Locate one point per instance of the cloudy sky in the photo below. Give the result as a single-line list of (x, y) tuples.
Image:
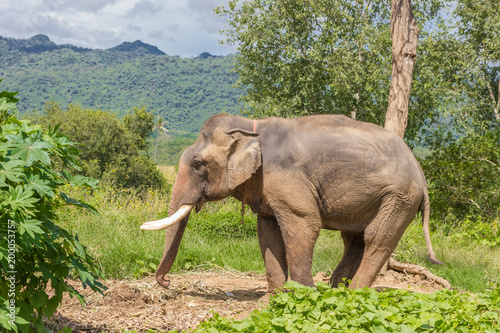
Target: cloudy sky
[(177, 27)]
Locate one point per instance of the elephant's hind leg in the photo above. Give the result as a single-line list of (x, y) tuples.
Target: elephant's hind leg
[(354, 245), (381, 237)]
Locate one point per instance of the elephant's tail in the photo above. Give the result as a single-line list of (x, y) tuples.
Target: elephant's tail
[(425, 208)]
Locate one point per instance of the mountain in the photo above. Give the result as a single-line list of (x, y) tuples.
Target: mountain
[(137, 46), (184, 91), (39, 43)]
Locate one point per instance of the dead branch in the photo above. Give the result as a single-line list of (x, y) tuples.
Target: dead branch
[(416, 269)]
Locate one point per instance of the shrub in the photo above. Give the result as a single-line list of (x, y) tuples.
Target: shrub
[(323, 309), (35, 252), (464, 176), (111, 148)]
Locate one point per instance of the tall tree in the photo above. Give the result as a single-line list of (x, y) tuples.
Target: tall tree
[(404, 32), (301, 57), (479, 28)]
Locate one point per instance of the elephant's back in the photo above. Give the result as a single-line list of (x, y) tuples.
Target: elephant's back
[(347, 162), (315, 140)]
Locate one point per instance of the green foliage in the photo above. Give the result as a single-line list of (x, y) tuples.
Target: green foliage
[(480, 232), (185, 92), (308, 57), (305, 309), (111, 148), (35, 253), (464, 176), (7, 105), (465, 59)]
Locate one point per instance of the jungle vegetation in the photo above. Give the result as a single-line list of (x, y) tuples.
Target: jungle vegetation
[(183, 91)]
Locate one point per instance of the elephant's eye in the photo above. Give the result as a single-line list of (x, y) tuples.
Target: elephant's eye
[(198, 165)]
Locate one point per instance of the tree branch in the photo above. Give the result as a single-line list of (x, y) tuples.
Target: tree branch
[(485, 160), (416, 269)]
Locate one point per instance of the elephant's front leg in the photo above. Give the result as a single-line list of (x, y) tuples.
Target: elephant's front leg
[(300, 234), (273, 251)]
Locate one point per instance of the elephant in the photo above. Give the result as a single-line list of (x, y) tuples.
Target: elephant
[(299, 176)]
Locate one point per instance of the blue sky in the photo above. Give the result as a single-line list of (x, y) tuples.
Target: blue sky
[(177, 27)]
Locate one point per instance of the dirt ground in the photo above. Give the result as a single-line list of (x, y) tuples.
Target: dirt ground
[(193, 297)]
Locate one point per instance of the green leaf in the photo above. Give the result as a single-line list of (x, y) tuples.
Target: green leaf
[(42, 186), (71, 201), (38, 299), (30, 226), (51, 306), (83, 181), (11, 170), (31, 149), (20, 200)]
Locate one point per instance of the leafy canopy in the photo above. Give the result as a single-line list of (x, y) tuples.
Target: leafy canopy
[(464, 176), (306, 57)]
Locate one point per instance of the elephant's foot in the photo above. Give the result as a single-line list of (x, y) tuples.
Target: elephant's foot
[(265, 298)]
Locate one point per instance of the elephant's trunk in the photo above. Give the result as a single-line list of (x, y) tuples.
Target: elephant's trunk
[(173, 239), (178, 212)]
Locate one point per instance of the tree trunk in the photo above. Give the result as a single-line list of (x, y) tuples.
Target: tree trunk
[(404, 32), (156, 145)]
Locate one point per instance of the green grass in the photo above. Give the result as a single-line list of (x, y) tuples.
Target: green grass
[(122, 250), (468, 265), (215, 238)]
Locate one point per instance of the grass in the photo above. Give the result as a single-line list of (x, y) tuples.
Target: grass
[(468, 265), (215, 237), (122, 250)]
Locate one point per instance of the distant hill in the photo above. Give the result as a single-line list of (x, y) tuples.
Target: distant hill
[(137, 46), (185, 91), (38, 44)]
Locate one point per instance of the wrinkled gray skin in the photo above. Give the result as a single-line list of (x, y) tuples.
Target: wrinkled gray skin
[(301, 175)]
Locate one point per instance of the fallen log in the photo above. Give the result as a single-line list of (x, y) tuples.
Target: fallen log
[(417, 270)]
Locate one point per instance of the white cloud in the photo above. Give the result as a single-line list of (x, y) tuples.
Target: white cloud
[(185, 28)]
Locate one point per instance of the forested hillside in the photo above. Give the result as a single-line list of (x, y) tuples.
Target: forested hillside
[(184, 91)]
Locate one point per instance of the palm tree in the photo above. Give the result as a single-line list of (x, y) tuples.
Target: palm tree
[(159, 127)]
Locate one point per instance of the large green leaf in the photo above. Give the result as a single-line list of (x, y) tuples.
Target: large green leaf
[(9, 95), (79, 203), (31, 227), (31, 149), (19, 200), (41, 185), (11, 170)]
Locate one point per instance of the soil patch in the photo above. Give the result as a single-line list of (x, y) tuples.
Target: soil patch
[(193, 297)]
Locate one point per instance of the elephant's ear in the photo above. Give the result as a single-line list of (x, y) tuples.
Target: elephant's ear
[(244, 156)]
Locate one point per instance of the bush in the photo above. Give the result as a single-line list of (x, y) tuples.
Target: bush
[(464, 177), (111, 148), (323, 309), (35, 253), (476, 231)]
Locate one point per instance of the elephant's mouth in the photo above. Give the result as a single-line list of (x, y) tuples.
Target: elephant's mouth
[(199, 205)]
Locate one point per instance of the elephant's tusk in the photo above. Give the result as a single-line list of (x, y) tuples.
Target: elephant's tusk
[(169, 221)]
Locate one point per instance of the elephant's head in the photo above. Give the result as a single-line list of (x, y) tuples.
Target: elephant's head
[(225, 155)]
